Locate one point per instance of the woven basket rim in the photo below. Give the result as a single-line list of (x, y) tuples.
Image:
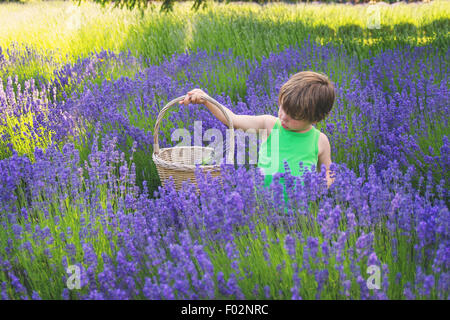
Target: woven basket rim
[(180, 167), (229, 149), (184, 147), (169, 165)]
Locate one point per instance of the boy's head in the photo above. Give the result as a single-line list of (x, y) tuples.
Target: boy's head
[(307, 96)]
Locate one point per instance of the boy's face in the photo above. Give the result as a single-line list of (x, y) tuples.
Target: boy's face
[(292, 124)]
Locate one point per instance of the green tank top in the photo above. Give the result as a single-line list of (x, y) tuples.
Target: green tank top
[(291, 146)]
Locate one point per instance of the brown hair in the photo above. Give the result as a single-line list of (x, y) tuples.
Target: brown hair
[(307, 95)]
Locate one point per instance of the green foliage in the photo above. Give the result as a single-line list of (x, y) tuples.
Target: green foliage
[(166, 5), (20, 134)]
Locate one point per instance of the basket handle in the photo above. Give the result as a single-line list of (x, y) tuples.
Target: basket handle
[(229, 149)]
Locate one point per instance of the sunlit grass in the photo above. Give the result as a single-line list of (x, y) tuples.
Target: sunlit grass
[(67, 31)]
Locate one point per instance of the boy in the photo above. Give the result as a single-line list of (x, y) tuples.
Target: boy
[(304, 100)]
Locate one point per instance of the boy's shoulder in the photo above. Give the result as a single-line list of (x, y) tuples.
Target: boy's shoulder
[(269, 122), (323, 143), (322, 136)]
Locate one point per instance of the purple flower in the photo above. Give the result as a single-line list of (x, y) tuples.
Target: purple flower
[(222, 285), (35, 296), (373, 259), (267, 292), (313, 246), (290, 246), (409, 295)]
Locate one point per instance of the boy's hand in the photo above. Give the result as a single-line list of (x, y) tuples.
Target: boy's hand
[(194, 97)]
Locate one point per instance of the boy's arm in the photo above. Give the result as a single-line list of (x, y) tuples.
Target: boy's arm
[(240, 121), (325, 157), (243, 122)]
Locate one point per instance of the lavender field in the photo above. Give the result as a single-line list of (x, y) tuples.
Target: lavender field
[(80, 195)]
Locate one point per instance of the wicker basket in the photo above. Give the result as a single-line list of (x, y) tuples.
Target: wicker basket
[(180, 162)]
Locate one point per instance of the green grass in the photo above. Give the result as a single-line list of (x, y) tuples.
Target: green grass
[(19, 133), (251, 30)]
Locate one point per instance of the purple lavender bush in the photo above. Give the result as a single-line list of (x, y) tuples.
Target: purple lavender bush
[(220, 244), (85, 217)]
